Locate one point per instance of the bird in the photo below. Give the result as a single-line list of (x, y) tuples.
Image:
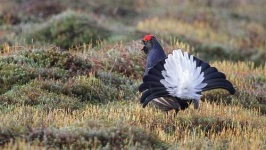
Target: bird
[(174, 81)]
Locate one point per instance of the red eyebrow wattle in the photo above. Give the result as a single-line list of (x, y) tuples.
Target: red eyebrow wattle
[(147, 37)]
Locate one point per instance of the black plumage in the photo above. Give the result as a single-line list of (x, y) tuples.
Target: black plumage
[(153, 90)]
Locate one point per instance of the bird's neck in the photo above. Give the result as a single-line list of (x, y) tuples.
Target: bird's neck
[(156, 54)]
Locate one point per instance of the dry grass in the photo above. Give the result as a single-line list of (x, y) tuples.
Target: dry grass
[(213, 126), (85, 95), (221, 122)]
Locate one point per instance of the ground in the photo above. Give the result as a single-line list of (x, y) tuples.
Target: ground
[(70, 71)]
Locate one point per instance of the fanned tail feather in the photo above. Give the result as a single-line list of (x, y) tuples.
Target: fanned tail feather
[(219, 83), (152, 91), (148, 85), (151, 77), (154, 95), (213, 78), (151, 87), (176, 80)]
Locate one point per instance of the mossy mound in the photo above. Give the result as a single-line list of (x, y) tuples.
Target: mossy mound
[(50, 63), (31, 94), (125, 87), (126, 60), (71, 93), (112, 137), (59, 75), (93, 89), (84, 88), (66, 30), (13, 74)]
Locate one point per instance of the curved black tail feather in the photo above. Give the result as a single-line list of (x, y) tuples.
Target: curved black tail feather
[(151, 91), (213, 78)]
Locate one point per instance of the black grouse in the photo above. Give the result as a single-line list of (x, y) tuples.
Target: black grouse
[(172, 82)]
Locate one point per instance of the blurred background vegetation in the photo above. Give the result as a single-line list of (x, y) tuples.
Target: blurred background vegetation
[(70, 70), (233, 30)]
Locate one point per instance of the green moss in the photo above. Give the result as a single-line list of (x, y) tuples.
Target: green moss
[(90, 89), (251, 99), (84, 137), (212, 124), (31, 94), (125, 85), (67, 30), (52, 72), (122, 61), (52, 63), (14, 74), (66, 94), (54, 58)]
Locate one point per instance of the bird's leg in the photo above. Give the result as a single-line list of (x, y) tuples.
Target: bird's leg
[(196, 104)]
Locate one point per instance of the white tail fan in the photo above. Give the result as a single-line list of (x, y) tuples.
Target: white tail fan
[(182, 78)]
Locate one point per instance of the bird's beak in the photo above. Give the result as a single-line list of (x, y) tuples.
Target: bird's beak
[(144, 49)]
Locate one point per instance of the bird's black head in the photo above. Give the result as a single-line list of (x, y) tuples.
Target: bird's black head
[(147, 41)]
